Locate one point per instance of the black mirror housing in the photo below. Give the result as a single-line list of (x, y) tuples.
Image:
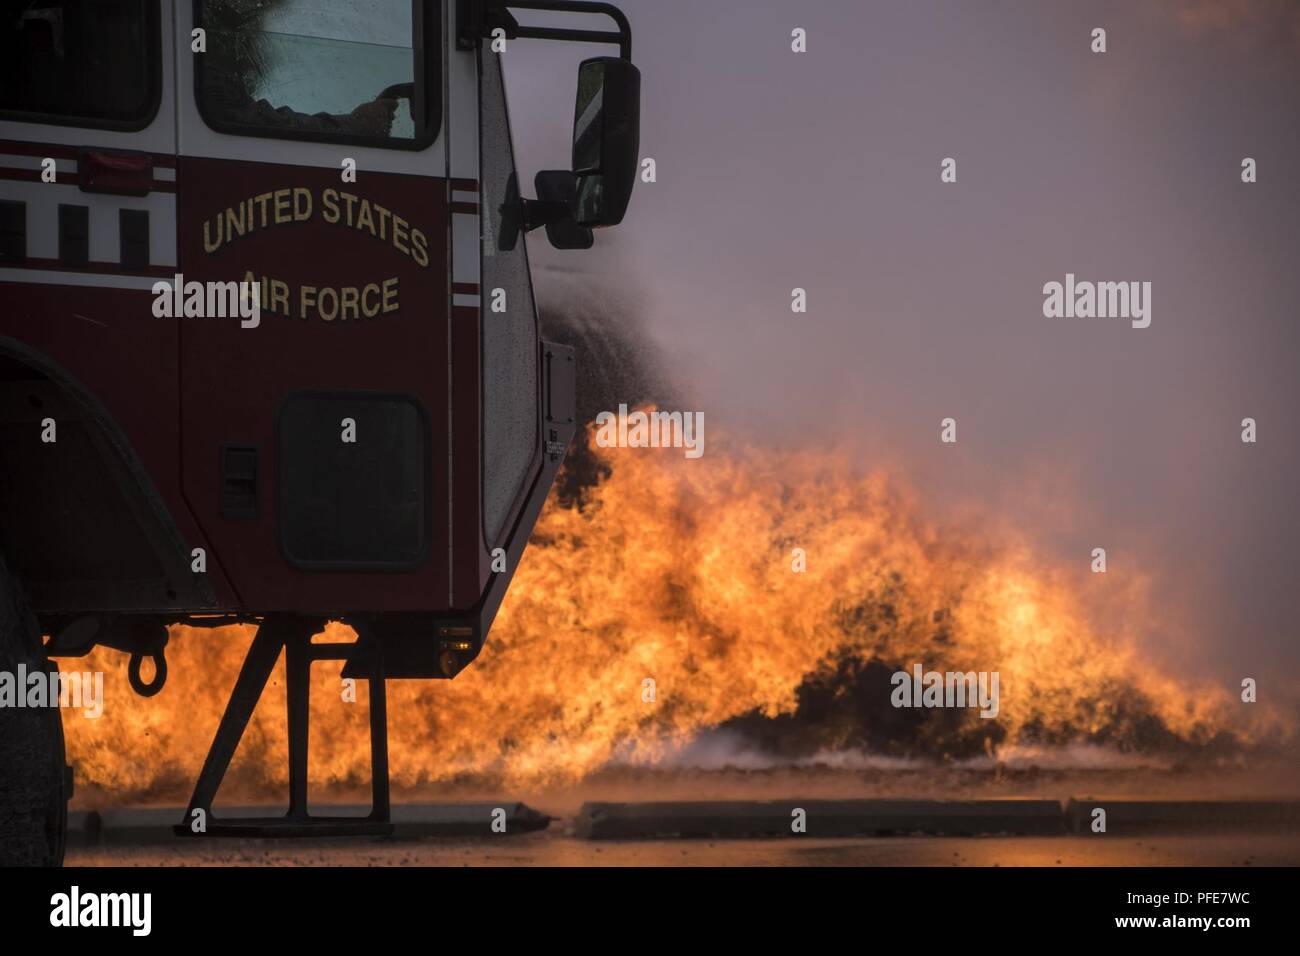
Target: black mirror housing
[(606, 139)]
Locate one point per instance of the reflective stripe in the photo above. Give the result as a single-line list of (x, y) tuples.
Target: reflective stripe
[(14, 161), (464, 248), (100, 279)]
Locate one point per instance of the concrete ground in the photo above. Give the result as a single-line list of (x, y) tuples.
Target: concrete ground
[(1212, 842)]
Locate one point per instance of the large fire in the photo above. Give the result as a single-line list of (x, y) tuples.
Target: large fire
[(684, 573)]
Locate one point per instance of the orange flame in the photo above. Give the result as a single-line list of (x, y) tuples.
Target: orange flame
[(680, 572)]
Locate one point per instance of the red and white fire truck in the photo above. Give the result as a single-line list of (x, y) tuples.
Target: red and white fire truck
[(368, 437)]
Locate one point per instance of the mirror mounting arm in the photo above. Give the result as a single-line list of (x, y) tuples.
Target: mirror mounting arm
[(541, 212), (476, 19)]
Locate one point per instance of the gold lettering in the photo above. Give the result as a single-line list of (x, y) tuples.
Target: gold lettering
[(327, 314), (384, 214), (329, 201), (301, 204), (351, 200), (363, 218), (399, 234), (279, 298), (208, 244), (390, 295), (297, 204), (238, 226), (282, 211), (261, 199), (349, 295), (420, 247)]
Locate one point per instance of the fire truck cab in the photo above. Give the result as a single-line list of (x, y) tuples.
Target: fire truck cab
[(269, 350)]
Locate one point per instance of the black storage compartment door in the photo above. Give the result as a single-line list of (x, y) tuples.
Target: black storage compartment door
[(353, 487)]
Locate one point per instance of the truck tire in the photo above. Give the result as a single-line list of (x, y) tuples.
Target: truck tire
[(33, 779)]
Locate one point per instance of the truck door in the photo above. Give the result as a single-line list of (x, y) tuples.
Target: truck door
[(87, 226), (312, 162)]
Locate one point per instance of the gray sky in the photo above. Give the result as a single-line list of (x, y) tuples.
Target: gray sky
[(821, 170)]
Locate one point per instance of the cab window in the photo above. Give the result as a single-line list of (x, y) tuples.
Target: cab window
[(80, 62), (357, 72)]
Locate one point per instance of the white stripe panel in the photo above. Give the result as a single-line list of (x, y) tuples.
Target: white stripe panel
[(466, 299), (464, 247), (464, 195), (68, 167), (43, 201), (100, 279), (15, 161)]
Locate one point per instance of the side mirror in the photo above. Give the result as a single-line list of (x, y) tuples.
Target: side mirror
[(606, 139)]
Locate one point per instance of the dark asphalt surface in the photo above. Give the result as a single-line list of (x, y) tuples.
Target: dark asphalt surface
[(556, 847)]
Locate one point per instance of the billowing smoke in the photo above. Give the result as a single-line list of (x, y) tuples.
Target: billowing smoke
[(617, 361)]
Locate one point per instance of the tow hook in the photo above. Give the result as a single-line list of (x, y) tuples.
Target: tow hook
[(159, 658), (140, 637)]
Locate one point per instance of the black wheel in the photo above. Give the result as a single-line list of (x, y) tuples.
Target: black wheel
[(33, 777)]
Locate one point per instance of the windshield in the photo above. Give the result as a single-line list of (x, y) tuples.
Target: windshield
[(345, 72)]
